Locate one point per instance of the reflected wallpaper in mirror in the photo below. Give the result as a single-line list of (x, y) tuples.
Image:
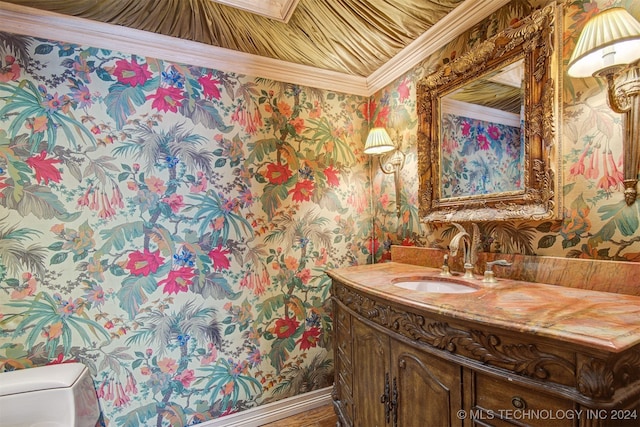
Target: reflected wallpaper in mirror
[(487, 139), (481, 135)]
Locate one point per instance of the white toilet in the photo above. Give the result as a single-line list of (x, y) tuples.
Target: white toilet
[(48, 396)]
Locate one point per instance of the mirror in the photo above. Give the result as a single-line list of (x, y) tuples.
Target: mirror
[(487, 143)]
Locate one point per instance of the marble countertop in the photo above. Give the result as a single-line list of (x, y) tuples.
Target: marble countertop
[(600, 320)]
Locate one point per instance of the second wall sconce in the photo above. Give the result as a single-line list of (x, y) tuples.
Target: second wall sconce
[(609, 47), (391, 159)]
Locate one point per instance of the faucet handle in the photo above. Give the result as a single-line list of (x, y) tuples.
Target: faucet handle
[(445, 266), (489, 277)]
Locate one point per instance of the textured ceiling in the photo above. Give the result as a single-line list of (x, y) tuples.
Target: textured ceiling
[(354, 37)]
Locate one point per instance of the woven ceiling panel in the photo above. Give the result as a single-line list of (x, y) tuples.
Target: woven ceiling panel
[(348, 36)]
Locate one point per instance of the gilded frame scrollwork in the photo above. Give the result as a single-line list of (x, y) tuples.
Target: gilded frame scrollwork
[(534, 39)]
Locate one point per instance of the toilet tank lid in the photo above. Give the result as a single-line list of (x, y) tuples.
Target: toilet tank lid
[(41, 378)]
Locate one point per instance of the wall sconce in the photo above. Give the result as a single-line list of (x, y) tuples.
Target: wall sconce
[(609, 47), (391, 159)]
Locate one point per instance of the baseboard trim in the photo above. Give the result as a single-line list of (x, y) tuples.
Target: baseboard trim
[(275, 411)]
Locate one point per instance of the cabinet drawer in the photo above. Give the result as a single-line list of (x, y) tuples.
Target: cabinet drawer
[(497, 402)]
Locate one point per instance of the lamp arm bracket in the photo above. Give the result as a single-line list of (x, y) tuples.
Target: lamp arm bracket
[(622, 85)]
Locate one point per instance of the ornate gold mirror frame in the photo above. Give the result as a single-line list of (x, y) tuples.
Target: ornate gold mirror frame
[(533, 40)]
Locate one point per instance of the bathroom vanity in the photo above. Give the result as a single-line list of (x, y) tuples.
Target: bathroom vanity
[(501, 354)]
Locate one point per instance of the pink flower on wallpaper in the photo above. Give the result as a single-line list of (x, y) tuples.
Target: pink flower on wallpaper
[(144, 263), (607, 181), (384, 200), (107, 210), (285, 327), (277, 174), (494, 132), (466, 128), (175, 202), (27, 288), (131, 73), (167, 365), (332, 176), (578, 168), (256, 282), (403, 90), (592, 171), (302, 191), (177, 281), (121, 398), (131, 384), (615, 173), (483, 142), (11, 71), (322, 258), (155, 184), (167, 99), (200, 183), (309, 338), (44, 168), (116, 197), (209, 86), (298, 124), (219, 258), (304, 275), (211, 355), (449, 145), (186, 377)]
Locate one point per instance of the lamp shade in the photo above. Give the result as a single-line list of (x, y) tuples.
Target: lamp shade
[(611, 38), (378, 142)]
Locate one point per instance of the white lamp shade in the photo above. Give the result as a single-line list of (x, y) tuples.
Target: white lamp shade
[(378, 142), (611, 38)]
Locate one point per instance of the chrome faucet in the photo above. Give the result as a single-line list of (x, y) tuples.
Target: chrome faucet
[(470, 243)]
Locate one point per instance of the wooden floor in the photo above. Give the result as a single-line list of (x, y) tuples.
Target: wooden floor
[(319, 417)]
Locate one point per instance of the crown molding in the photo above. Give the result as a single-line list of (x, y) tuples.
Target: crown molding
[(459, 20), (49, 25), (279, 10)]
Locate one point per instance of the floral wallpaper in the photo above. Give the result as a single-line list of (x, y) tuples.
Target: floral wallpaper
[(595, 222), (479, 157), (169, 226)]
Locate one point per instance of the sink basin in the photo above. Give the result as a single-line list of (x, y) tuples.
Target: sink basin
[(434, 285)]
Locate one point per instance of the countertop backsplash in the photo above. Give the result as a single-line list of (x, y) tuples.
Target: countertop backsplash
[(607, 276)]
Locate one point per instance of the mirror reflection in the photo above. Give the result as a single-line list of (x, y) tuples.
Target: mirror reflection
[(482, 130), (487, 141)]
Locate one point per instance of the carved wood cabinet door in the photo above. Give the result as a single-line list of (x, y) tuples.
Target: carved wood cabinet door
[(370, 373), (395, 385), (429, 389)]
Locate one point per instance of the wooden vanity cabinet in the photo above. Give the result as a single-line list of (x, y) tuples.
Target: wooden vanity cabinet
[(395, 384), (398, 366)]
